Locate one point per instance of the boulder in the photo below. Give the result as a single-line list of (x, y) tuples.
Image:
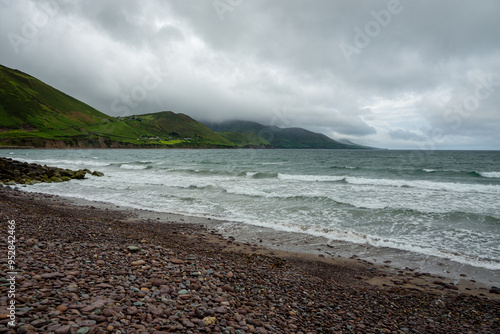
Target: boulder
[(14, 172)]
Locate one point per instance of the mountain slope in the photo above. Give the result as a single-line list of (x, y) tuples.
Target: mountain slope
[(278, 137), (33, 113), (28, 103), (167, 129), (348, 142)]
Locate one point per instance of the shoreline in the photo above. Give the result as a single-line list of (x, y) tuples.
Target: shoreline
[(103, 270), (249, 239), (454, 266)]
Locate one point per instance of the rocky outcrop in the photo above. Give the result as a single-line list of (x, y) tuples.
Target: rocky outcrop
[(16, 172)]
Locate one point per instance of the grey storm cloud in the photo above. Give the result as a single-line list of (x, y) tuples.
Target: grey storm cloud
[(406, 135), (394, 73)]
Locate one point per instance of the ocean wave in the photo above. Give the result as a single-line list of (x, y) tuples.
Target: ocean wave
[(394, 243), (135, 167), (200, 187), (399, 183), (210, 162), (344, 167), (492, 175), (428, 185), (223, 173), (262, 175), (438, 252), (305, 199), (58, 162), (461, 173), (270, 163), (311, 178), (204, 172)]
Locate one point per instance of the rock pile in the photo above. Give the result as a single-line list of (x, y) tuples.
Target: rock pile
[(85, 270), (15, 172)]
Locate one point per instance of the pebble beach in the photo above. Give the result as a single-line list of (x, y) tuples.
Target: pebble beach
[(87, 269)]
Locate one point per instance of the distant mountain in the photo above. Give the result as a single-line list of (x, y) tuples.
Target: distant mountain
[(255, 134), (33, 113), (348, 142)]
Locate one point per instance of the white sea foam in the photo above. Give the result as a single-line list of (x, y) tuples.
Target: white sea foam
[(362, 238), (428, 185), (400, 183), (310, 178), (493, 175), (58, 162), (137, 167)]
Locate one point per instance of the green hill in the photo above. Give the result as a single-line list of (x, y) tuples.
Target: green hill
[(33, 113), (31, 108), (163, 129), (272, 136)]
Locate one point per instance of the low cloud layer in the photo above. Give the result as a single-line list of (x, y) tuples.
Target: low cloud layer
[(394, 74)]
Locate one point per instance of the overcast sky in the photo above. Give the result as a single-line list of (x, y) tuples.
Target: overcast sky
[(396, 74)]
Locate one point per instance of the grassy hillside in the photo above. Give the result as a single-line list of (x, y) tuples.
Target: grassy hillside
[(166, 129), (33, 113), (276, 137), (246, 140), (27, 103)]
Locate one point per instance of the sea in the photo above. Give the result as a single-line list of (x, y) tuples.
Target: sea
[(434, 208)]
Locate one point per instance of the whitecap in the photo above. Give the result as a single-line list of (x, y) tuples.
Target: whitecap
[(310, 178), (493, 175), (428, 185), (58, 162), (137, 167)]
